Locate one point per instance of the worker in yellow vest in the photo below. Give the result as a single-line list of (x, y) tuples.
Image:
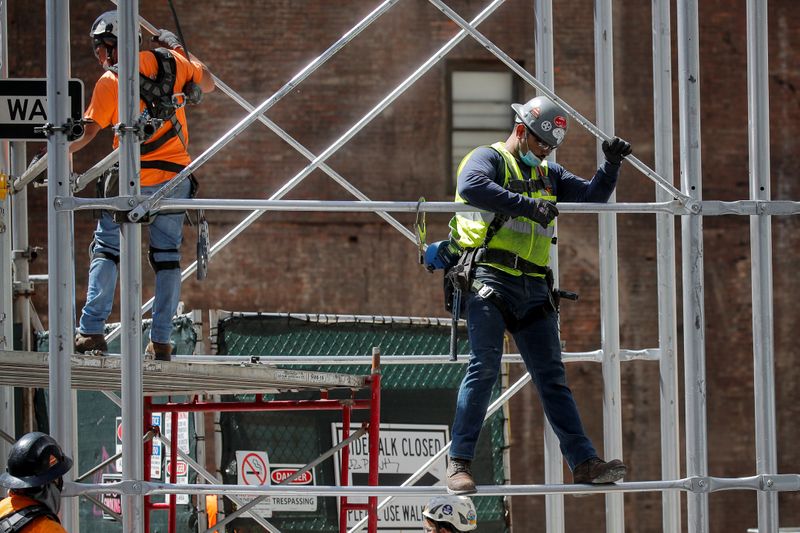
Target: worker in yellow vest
[(504, 252)]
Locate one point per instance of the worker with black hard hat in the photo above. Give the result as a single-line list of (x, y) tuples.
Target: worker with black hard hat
[(34, 481)]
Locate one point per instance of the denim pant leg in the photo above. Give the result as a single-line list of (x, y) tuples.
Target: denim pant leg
[(540, 348), (166, 233), (486, 328), (102, 281)]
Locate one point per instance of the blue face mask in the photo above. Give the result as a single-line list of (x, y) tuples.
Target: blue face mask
[(529, 158)]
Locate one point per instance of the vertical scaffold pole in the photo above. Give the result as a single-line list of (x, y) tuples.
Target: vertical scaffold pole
[(345, 466), (147, 409), (665, 253), (761, 258), (609, 281), (692, 262), (374, 436), (130, 266), (553, 461), (173, 469), (6, 278), (60, 265)]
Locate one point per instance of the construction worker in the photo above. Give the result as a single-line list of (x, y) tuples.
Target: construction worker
[(449, 514), (509, 286), (33, 477), (169, 78)]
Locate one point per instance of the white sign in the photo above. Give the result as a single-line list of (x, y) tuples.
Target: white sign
[(183, 445), (111, 500), (295, 502), (404, 448), (252, 468)]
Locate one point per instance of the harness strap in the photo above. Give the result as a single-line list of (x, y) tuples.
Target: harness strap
[(168, 166), (163, 265), (509, 259), (16, 521)]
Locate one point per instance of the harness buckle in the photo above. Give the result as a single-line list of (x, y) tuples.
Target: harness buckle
[(485, 292)]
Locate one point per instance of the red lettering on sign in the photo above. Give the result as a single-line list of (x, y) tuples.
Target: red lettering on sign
[(280, 474)]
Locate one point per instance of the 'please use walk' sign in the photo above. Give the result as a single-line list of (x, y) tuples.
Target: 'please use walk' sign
[(23, 107)]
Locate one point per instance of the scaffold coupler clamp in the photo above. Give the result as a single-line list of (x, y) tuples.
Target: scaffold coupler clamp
[(142, 128), (72, 128)]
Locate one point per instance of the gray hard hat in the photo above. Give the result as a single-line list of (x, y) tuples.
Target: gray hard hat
[(546, 119)]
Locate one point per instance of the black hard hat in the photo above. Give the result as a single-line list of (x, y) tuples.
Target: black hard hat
[(35, 460)]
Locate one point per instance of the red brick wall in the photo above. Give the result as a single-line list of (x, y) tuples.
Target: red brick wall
[(356, 263)]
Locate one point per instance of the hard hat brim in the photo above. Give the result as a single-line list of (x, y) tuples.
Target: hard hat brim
[(518, 111), (13, 482)]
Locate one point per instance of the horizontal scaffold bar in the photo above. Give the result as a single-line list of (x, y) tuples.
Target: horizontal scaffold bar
[(698, 484), (596, 356), (705, 208)]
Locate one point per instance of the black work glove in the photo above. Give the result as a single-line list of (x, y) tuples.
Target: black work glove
[(167, 39), (543, 212), (616, 150)]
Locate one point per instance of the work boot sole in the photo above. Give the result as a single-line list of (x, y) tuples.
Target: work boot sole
[(461, 492), (611, 475)]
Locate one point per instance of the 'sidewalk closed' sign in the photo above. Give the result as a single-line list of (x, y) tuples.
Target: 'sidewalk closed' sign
[(404, 448)]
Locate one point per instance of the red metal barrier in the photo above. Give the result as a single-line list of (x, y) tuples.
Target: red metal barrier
[(259, 404)]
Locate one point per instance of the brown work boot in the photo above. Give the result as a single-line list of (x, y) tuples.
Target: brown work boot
[(459, 476), (596, 471), (159, 351), (90, 343)]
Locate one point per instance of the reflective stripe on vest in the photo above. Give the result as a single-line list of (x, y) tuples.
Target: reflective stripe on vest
[(519, 235)]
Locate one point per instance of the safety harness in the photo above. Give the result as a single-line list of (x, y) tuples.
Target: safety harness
[(161, 101), (161, 104), (16, 521), (460, 278)]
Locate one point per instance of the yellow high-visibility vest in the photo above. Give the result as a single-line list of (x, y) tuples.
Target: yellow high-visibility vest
[(520, 235)]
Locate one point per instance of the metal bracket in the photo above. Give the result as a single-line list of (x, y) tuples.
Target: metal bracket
[(143, 128), (699, 484), (72, 128), (23, 288)]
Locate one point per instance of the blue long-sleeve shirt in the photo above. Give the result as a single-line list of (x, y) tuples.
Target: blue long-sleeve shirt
[(480, 183)]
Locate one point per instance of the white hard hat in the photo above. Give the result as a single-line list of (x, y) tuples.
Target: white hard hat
[(107, 25), (459, 511)]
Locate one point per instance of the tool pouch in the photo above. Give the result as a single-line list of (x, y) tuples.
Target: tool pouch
[(459, 276)]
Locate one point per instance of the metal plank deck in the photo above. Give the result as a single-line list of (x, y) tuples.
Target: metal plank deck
[(93, 372)]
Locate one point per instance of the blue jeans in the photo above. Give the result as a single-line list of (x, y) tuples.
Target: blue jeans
[(166, 233), (540, 348)]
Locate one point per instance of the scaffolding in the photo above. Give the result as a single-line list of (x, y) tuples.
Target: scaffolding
[(686, 203)]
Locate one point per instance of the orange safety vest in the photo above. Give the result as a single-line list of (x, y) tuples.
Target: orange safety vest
[(42, 524)]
